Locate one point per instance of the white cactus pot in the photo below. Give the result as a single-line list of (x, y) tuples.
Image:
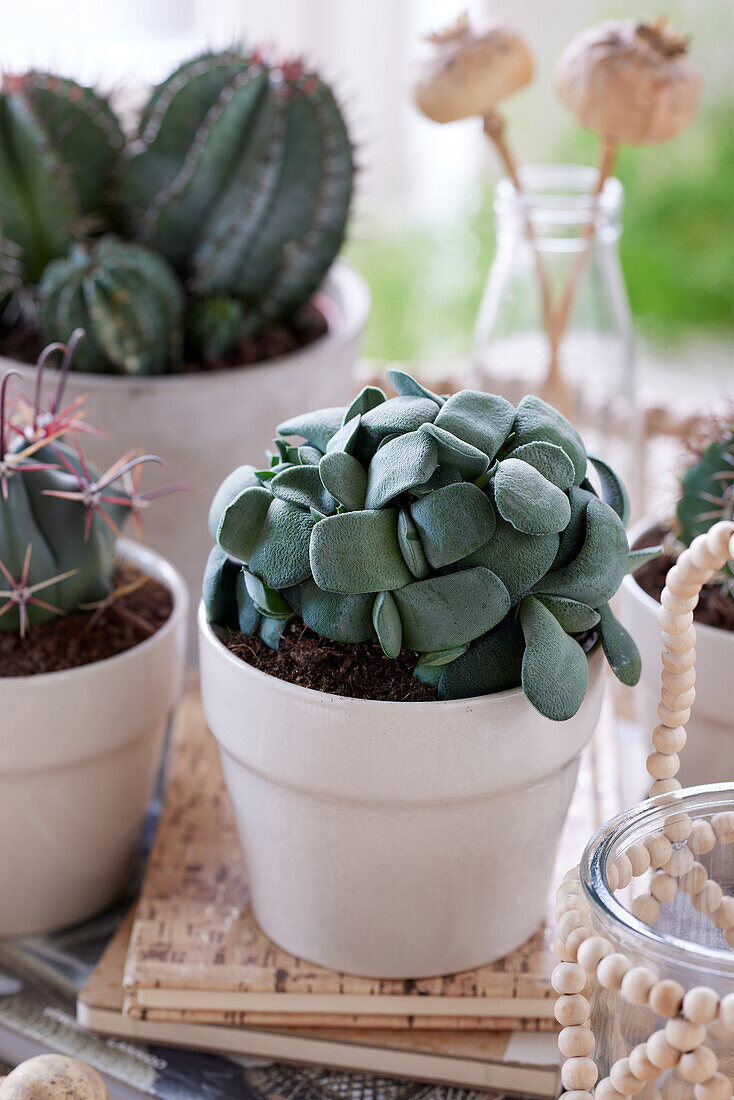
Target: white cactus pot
[(80, 753), (203, 425), (709, 753), (393, 840)]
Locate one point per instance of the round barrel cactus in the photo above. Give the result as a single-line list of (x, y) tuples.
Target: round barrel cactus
[(127, 299), (707, 492), (60, 143), (460, 527), (241, 176)]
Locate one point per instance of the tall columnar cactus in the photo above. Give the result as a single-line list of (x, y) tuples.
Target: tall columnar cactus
[(707, 491), (462, 528), (59, 517), (59, 145), (127, 299), (242, 177)]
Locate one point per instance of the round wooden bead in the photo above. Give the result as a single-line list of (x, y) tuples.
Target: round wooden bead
[(723, 826), (574, 940), (624, 870), (663, 887), (663, 786), (605, 1090), (592, 951), (689, 572), (694, 880), (662, 765), (683, 1035), (571, 1009), (568, 905), (678, 700), (674, 622), (669, 717), (679, 587), (636, 985), (724, 916), (576, 1042), (679, 681), (623, 1079), (612, 877), (568, 888), (666, 739), (579, 1073), (702, 556), (726, 1011), (677, 605), (729, 937), (718, 538), (709, 898), (641, 1065), (660, 1052), (678, 826), (678, 662), (666, 998), (578, 1094), (660, 849), (611, 970), (680, 643), (572, 875), (645, 908), (639, 858), (718, 1088), (701, 1005), (698, 1066), (568, 978), (680, 862), (703, 837), (566, 924)]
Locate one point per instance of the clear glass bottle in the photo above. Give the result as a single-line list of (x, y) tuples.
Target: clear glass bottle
[(556, 250), (683, 944)]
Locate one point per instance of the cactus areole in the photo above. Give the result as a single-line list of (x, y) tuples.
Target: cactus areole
[(460, 527)]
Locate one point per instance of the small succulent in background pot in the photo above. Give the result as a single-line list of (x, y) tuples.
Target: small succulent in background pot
[(91, 655), (706, 497), (465, 535)]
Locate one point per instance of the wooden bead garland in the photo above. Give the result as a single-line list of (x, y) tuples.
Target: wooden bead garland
[(671, 855)]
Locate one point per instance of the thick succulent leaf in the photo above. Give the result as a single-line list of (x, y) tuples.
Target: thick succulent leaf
[(453, 522), (535, 420), (303, 487), (332, 615), (494, 663), (316, 428), (442, 612), (402, 463), (244, 477), (527, 500), (613, 491), (555, 671), (637, 558), (596, 573), (266, 599), (573, 616), (308, 455), (346, 438), (218, 590), (271, 631), (439, 658), (368, 398), (281, 554), (442, 475), (248, 616), (428, 674), (455, 453), (550, 460), (518, 560), (619, 648), (358, 552), (292, 596), (482, 419), (393, 417), (573, 535), (407, 386), (345, 479), (388, 624), (242, 521), (411, 546)]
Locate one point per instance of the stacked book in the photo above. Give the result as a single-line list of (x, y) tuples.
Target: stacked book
[(191, 968)]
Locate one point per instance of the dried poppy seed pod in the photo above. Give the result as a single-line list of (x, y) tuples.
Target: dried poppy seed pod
[(469, 70), (53, 1077), (629, 82)]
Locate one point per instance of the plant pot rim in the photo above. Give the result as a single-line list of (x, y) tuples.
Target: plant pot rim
[(158, 567), (206, 633), (637, 592), (340, 282)]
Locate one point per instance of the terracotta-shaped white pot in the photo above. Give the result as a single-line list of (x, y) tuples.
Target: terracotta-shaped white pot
[(393, 840), (709, 753), (80, 754), (202, 425)]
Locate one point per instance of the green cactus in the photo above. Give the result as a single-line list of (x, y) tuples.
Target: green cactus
[(59, 517), (241, 176), (462, 528), (127, 299), (707, 492), (60, 143)]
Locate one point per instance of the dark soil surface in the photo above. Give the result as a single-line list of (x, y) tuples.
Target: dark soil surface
[(714, 608), (307, 325), (83, 637), (358, 671)]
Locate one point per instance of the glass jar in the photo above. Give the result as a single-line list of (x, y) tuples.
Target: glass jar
[(556, 248), (683, 944)]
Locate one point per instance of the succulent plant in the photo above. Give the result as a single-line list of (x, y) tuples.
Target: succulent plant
[(127, 299), (59, 145), (460, 527), (59, 517), (241, 176), (707, 490)]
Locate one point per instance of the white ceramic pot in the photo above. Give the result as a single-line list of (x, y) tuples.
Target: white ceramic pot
[(79, 753), (709, 753), (203, 425), (393, 840)]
